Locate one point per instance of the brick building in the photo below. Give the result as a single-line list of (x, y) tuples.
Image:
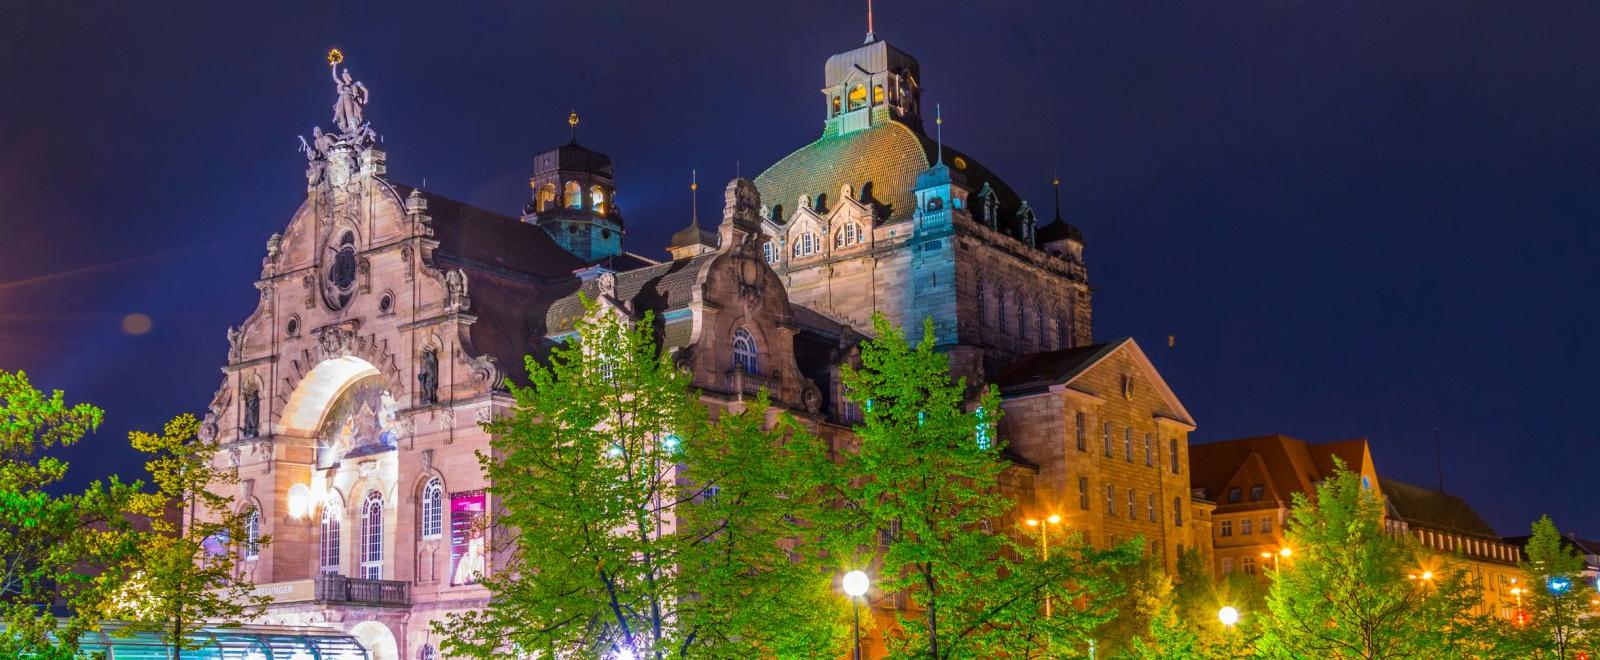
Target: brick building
[(390, 319)]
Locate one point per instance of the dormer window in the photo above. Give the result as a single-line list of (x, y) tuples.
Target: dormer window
[(847, 236), (858, 97), (806, 245)]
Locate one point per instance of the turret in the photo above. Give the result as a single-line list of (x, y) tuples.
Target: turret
[(573, 199)]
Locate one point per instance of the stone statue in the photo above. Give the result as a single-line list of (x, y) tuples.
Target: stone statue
[(606, 284), (316, 152), (455, 285), (252, 414), (349, 110), (428, 378)]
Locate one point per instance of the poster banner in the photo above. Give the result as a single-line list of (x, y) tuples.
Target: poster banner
[(468, 529)]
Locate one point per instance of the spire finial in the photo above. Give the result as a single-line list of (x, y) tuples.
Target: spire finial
[(694, 198), (1055, 182), (870, 36), (572, 120), (938, 129)]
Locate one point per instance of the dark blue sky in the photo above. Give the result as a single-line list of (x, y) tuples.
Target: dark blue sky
[(1357, 218)]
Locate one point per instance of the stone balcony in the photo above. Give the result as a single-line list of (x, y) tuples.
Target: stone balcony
[(335, 588)]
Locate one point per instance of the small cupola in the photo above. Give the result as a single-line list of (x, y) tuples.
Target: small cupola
[(573, 198)]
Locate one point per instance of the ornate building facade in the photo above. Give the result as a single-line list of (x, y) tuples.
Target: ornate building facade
[(391, 318)]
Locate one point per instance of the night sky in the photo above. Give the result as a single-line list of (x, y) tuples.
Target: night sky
[(1357, 220)]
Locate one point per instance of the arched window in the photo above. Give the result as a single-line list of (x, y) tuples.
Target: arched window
[(328, 544), (768, 253), (983, 305), (1022, 317), (1000, 307), (1064, 328), (744, 351), (847, 236), (252, 533), (806, 245), (858, 97), (433, 509), (835, 109), (372, 537), (1039, 316), (574, 195), (597, 199), (545, 197), (877, 94)]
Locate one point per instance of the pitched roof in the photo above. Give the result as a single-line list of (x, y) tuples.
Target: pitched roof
[(661, 288), (471, 236), (1037, 372), (1292, 465), (881, 164), (1426, 507)]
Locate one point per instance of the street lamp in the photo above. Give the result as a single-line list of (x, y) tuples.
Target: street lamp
[(855, 586), (1044, 547), (1228, 615)]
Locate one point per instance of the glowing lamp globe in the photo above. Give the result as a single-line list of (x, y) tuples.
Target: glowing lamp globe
[(855, 583), (1227, 615)]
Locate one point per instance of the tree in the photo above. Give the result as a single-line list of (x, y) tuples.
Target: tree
[(920, 494), (56, 551), (1356, 591), (642, 526), (1140, 610), (187, 561), (1561, 622)]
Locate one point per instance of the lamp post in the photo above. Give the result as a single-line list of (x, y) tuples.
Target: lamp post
[(1274, 556), (1044, 546), (855, 586)]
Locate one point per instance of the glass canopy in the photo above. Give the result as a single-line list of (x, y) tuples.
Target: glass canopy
[(243, 643)]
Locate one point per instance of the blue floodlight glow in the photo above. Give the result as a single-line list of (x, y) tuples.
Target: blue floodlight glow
[(671, 443), (1558, 585)]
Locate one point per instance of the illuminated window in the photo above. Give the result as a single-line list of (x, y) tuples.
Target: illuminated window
[(252, 534), (545, 197), (1249, 565), (877, 94), (1244, 527), (1266, 525), (433, 509), (328, 544), (597, 199), (858, 97), (574, 195), (372, 537), (935, 203), (744, 351), (835, 109)]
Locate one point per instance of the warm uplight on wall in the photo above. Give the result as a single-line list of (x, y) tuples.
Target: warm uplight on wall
[(299, 501)]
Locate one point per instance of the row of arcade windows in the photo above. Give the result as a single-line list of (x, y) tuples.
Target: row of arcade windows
[(1033, 322), (370, 538), (808, 243), (857, 99), (571, 197), (1150, 457)]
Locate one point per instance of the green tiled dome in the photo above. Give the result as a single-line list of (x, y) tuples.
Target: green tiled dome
[(881, 164)]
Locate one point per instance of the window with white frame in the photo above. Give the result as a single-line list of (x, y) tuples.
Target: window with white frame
[(806, 244), (744, 352), (1266, 525), (848, 235), (372, 537), (252, 533), (1226, 529), (328, 543), (433, 509)]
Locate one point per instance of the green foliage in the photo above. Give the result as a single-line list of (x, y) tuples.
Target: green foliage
[(55, 550), (177, 584), (641, 523), (1355, 591), (922, 486), (1561, 622), (1146, 598)]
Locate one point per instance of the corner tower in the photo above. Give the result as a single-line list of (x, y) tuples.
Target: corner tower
[(574, 199)]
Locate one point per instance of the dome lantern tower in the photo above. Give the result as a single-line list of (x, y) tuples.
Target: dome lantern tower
[(573, 199)]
